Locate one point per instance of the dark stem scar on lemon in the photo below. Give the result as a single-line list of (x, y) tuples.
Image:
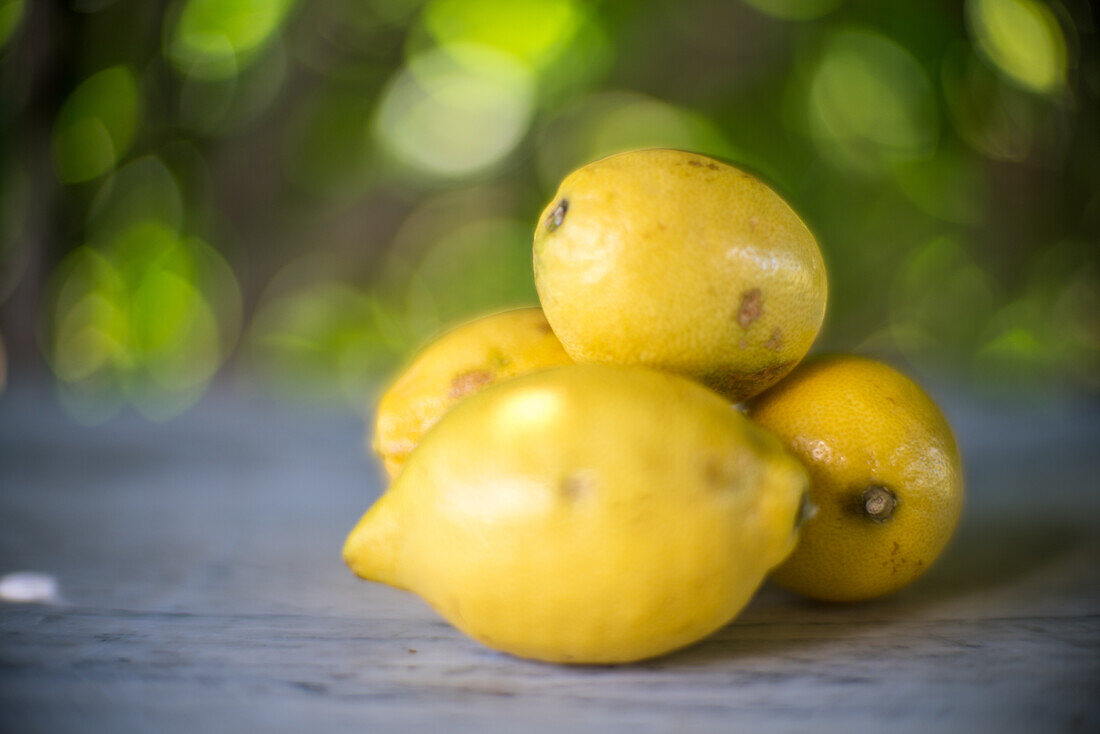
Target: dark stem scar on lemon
[(877, 503), (557, 216)]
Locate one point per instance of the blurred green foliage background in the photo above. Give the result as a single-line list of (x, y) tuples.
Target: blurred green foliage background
[(298, 194)]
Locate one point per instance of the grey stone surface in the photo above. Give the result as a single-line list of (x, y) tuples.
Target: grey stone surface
[(202, 590)]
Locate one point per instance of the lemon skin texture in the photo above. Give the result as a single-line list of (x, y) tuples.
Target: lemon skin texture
[(885, 472), (586, 514), (458, 364), (677, 261)]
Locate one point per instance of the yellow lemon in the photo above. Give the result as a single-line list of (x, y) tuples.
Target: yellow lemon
[(586, 514), (459, 363), (885, 476), (677, 261)]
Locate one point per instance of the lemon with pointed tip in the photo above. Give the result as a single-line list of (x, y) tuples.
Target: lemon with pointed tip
[(885, 474), (678, 261), (459, 363), (586, 514)]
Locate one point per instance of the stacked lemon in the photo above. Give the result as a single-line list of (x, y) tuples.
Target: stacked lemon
[(573, 483)]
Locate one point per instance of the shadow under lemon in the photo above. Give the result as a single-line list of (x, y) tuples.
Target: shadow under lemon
[(987, 556)]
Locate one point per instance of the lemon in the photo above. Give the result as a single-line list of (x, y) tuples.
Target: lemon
[(677, 261), (586, 514), (460, 363), (885, 476)]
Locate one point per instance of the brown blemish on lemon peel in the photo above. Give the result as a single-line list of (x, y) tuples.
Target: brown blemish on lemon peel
[(776, 341), (557, 216), (575, 486), (752, 306), (468, 382), (719, 474), (878, 503), (739, 382)]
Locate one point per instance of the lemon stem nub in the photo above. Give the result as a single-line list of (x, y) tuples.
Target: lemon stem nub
[(557, 216), (878, 503)]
